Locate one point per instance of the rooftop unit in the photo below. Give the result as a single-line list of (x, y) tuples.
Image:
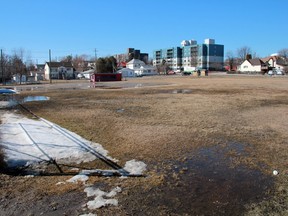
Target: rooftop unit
[(209, 41)]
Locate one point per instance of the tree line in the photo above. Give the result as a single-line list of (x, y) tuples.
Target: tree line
[(21, 64), (14, 64)]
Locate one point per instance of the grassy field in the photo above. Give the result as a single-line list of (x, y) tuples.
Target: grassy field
[(165, 121)]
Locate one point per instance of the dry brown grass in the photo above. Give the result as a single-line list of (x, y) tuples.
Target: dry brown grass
[(156, 122), (160, 123)]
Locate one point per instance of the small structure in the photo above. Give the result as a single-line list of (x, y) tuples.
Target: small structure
[(105, 77)]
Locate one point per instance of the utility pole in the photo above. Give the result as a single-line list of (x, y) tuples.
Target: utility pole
[(95, 60), (2, 70), (50, 77)]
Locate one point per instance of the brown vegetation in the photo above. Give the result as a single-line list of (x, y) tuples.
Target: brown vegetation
[(172, 119)]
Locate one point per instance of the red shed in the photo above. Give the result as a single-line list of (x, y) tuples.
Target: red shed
[(105, 77)]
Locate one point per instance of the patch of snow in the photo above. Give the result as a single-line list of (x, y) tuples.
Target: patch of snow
[(29, 176), (78, 178), (135, 167), (90, 214), (60, 183), (28, 141), (99, 200)]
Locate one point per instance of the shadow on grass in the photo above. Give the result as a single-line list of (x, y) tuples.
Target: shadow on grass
[(3, 165)]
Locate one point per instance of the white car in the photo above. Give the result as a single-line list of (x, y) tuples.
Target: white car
[(275, 72)]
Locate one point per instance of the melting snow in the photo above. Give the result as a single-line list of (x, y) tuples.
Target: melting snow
[(135, 167), (27, 141), (99, 200), (77, 178)]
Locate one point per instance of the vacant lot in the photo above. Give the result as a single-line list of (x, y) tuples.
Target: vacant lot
[(210, 143)]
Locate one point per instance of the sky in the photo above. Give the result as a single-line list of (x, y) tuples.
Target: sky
[(77, 27)]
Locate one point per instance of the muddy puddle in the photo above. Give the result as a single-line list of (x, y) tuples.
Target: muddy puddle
[(206, 182)]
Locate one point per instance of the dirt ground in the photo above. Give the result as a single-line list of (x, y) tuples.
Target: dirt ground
[(210, 145)]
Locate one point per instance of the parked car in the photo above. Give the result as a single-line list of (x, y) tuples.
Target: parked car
[(275, 72)]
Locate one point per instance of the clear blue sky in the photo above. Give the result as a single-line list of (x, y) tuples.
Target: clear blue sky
[(111, 26)]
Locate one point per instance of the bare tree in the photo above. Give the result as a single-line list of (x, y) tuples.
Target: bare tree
[(284, 53), (230, 61), (67, 58), (243, 52), (17, 62)]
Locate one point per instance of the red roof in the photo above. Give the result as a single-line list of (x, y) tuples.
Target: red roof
[(122, 64)]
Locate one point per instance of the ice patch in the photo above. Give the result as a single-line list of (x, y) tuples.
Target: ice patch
[(135, 167)]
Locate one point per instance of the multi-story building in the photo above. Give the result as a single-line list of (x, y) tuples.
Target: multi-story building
[(132, 54), (170, 56), (192, 56)]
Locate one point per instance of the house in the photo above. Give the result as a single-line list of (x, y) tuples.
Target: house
[(127, 72), (59, 70), (19, 78), (134, 64), (140, 68), (253, 65), (146, 70), (276, 62), (86, 74)]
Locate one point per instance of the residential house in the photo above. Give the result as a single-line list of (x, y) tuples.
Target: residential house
[(255, 65), (37, 74), (134, 63), (140, 68), (19, 78), (127, 72), (276, 62), (85, 74), (59, 70)]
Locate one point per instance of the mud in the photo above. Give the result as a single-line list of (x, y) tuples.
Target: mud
[(206, 182)]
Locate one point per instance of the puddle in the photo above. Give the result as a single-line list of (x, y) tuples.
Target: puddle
[(124, 85), (208, 183), (35, 98), (215, 184), (182, 91), (12, 101), (176, 91)]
